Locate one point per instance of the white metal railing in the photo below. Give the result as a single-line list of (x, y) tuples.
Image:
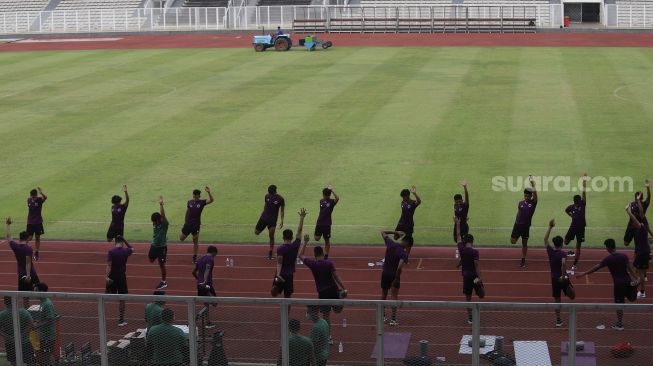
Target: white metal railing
[(241, 17), (367, 318)]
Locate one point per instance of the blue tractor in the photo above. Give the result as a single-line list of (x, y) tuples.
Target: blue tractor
[(280, 42)]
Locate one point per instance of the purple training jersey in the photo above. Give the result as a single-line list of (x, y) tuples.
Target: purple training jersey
[(34, 211), (322, 272), (394, 254), (118, 215), (526, 212), (194, 212), (577, 213), (326, 208), (467, 257), (118, 257), (460, 211), (634, 208), (618, 264), (206, 263), (641, 241), (555, 261), (289, 254), (271, 210), (407, 212), (22, 252)]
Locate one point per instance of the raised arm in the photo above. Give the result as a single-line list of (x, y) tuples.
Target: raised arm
[(584, 193), (335, 195), (413, 189), (385, 233), (552, 223), (208, 191), (647, 184), (45, 197), (300, 228), (161, 209), (532, 180), (303, 248), (8, 229), (466, 192), (124, 189)]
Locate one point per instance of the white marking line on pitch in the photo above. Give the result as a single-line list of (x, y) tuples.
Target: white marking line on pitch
[(64, 40)]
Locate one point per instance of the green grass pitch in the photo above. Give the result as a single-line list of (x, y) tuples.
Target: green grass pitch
[(370, 120)]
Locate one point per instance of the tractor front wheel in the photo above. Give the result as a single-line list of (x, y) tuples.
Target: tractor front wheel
[(329, 44), (282, 44), (259, 48), (325, 45)]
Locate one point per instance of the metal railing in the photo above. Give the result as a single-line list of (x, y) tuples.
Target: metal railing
[(255, 330)]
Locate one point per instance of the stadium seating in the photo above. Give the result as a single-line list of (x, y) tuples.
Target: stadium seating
[(284, 2), (22, 5), (98, 4), (206, 3)]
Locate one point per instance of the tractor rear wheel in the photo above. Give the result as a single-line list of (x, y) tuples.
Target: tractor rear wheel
[(325, 45), (282, 44), (329, 44), (259, 47)]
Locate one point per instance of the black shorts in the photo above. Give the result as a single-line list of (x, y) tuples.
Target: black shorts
[(35, 229), (624, 291), (28, 352), (577, 233), (464, 230), (323, 230), (469, 285), (558, 287), (387, 280), (642, 260), (286, 287), (47, 346), (190, 230), (119, 284), (115, 231), (522, 231), (160, 253), (629, 235), (202, 290), (329, 294), (28, 286), (409, 234), (262, 224)]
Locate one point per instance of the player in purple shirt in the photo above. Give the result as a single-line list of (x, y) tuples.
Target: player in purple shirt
[(327, 281), (640, 214), (273, 204), (619, 267), (642, 248), (34, 218), (116, 273), (525, 212), (460, 211), (193, 219), (27, 276), (557, 263), (471, 270), (323, 224), (203, 273), (118, 211), (577, 226), (406, 223), (393, 263), (286, 258)]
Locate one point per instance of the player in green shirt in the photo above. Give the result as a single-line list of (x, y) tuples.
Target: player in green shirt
[(319, 336), (153, 311), (159, 247), (166, 343), (300, 347), (47, 326), (7, 331)]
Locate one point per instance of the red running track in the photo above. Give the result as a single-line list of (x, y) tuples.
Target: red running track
[(252, 331)]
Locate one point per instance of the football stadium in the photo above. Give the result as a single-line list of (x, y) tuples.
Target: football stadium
[(326, 182)]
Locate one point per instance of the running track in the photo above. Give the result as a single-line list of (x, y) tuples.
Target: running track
[(252, 331)]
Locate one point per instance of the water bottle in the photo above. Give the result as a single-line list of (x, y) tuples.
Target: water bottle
[(231, 262), (340, 348), (457, 254), (228, 262), (344, 322)]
